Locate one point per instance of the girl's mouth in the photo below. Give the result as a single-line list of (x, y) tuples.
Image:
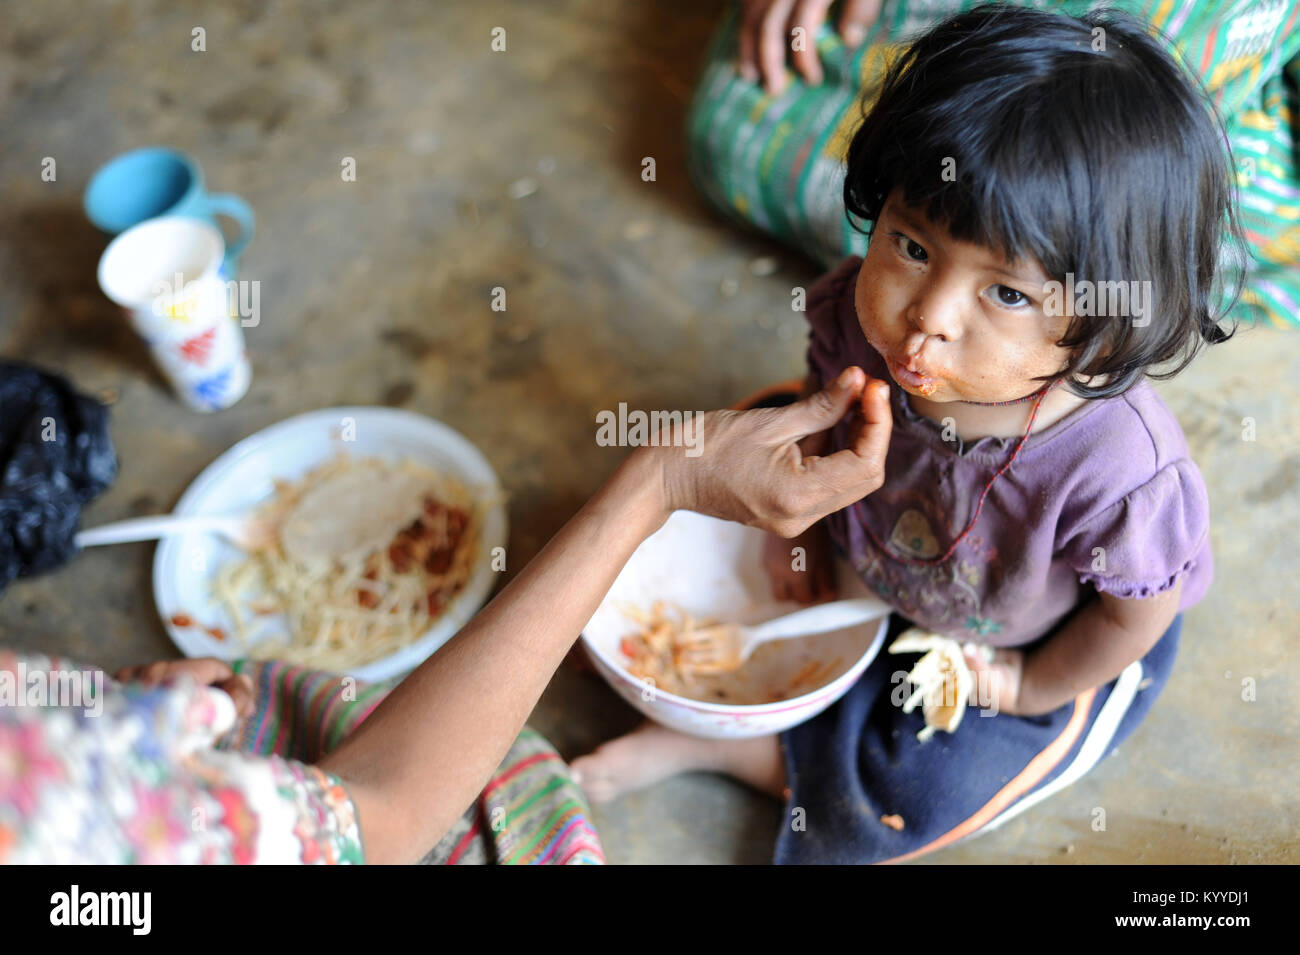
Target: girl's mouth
[(910, 379)]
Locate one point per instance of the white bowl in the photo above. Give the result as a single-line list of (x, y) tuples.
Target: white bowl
[(713, 568), (243, 477)]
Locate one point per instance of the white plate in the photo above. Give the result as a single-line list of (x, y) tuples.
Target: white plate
[(243, 477)]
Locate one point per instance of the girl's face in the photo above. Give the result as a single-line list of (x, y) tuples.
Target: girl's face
[(954, 321)]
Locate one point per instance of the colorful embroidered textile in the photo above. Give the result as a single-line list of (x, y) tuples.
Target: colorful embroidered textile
[(100, 772)]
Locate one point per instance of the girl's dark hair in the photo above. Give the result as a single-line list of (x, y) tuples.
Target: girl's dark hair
[(1080, 143)]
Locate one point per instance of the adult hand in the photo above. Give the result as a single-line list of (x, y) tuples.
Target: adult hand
[(767, 31), (206, 671), (751, 470), (427, 750)]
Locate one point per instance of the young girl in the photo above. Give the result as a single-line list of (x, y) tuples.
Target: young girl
[(1039, 497)]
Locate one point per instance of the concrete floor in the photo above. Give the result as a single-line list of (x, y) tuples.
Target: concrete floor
[(376, 292)]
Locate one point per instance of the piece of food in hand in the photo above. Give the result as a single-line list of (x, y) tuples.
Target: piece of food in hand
[(942, 679), (894, 822)]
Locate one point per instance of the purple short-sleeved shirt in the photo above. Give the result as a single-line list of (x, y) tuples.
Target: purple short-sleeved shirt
[(1107, 497)]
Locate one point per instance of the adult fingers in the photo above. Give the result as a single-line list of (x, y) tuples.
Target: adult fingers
[(240, 689), (204, 670), (870, 435), (856, 18), (808, 17), (859, 469), (750, 23), (773, 44), (822, 409)]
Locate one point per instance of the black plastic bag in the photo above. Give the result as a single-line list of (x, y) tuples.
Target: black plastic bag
[(55, 456)]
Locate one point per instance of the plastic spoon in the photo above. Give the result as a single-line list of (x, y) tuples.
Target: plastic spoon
[(726, 646), (346, 516)]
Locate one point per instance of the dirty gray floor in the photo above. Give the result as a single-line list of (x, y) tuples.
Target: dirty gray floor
[(376, 292)]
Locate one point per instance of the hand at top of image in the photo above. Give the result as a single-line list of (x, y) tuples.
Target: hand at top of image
[(766, 37)]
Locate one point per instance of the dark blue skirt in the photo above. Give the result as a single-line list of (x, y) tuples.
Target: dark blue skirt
[(860, 760)]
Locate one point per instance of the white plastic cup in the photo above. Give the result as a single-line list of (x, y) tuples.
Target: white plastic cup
[(166, 273)]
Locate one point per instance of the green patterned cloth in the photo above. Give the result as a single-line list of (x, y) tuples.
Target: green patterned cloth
[(777, 163), (531, 812)]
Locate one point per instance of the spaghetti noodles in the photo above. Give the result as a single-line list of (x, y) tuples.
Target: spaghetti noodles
[(654, 656), (345, 612)]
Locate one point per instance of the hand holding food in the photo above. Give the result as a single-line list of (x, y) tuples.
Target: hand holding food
[(943, 680), (997, 678), (752, 471), (950, 676)]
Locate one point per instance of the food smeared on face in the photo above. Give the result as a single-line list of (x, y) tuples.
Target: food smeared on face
[(952, 319)]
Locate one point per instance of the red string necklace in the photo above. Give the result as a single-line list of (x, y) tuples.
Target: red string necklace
[(924, 561), (1013, 401)]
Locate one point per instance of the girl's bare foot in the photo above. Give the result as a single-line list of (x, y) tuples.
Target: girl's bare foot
[(653, 752)]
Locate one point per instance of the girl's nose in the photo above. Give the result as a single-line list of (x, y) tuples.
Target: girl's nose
[(933, 320), (915, 343)]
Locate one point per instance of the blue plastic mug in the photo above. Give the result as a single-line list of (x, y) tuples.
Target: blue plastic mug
[(157, 181)]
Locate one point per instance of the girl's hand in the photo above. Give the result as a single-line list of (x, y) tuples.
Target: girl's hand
[(767, 29), (750, 469), (206, 671), (997, 682), (815, 581)]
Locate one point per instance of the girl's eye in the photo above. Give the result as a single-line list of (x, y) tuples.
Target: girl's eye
[(1010, 297), (908, 247)]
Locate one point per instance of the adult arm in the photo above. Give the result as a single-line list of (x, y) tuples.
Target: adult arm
[(427, 751)]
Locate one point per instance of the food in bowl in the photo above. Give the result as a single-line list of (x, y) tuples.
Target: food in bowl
[(653, 654), (347, 610), (713, 569)]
